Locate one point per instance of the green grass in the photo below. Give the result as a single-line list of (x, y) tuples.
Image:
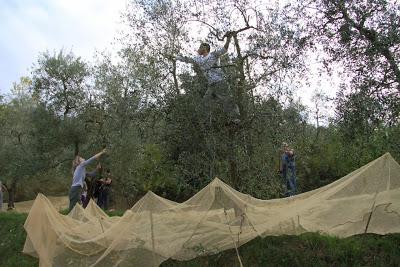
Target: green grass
[(309, 249), (12, 239), (109, 213), (305, 250)]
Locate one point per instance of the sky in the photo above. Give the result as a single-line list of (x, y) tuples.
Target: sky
[(29, 27)]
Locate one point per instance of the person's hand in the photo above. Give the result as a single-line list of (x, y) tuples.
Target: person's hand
[(229, 34), (104, 151)]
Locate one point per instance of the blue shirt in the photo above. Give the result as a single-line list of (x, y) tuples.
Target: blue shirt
[(80, 172)]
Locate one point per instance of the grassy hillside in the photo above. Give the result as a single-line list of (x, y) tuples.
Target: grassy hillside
[(304, 250)]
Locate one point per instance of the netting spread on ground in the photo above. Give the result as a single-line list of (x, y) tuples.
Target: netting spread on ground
[(215, 219)]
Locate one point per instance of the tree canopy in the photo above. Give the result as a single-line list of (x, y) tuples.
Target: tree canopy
[(148, 109)]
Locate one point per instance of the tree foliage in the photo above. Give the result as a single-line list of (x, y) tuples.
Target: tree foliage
[(149, 111)]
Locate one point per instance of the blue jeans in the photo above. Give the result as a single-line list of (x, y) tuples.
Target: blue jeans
[(74, 196), (290, 177)]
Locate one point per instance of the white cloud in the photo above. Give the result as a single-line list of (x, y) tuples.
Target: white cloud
[(30, 27)]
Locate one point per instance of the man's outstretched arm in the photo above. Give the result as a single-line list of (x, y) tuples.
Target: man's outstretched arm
[(224, 49)]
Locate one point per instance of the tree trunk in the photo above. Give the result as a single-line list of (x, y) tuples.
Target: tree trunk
[(176, 86), (76, 148), (234, 174), (240, 90), (233, 165)]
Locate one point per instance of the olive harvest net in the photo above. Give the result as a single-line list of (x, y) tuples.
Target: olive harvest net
[(217, 218)]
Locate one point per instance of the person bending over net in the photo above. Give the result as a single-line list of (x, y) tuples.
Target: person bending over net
[(79, 172), (217, 86)]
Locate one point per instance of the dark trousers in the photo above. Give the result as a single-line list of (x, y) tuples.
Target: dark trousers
[(221, 91), (291, 183), (74, 196), (103, 200)]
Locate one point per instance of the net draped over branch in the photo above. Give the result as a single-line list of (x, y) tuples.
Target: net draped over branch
[(215, 219)]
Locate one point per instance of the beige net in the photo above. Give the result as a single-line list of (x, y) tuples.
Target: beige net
[(215, 219)]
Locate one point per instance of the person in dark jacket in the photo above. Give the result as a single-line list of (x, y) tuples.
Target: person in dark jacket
[(103, 200)]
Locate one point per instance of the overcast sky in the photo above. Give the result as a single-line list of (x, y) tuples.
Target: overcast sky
[(28, 27)]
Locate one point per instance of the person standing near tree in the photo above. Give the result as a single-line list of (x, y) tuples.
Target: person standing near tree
[(91, 183), (288, 169), (79, 173), (105, 191), (217, 86)]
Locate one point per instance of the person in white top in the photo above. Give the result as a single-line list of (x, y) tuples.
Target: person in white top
[(79, 172), (217, 86)]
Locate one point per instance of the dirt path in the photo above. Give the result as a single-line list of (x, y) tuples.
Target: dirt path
[(24, 206)]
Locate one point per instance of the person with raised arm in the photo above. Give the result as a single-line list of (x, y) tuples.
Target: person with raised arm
[(79, 172), (217, 86)]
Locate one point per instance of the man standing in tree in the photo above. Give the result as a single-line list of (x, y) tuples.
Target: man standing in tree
[(217, 86)]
